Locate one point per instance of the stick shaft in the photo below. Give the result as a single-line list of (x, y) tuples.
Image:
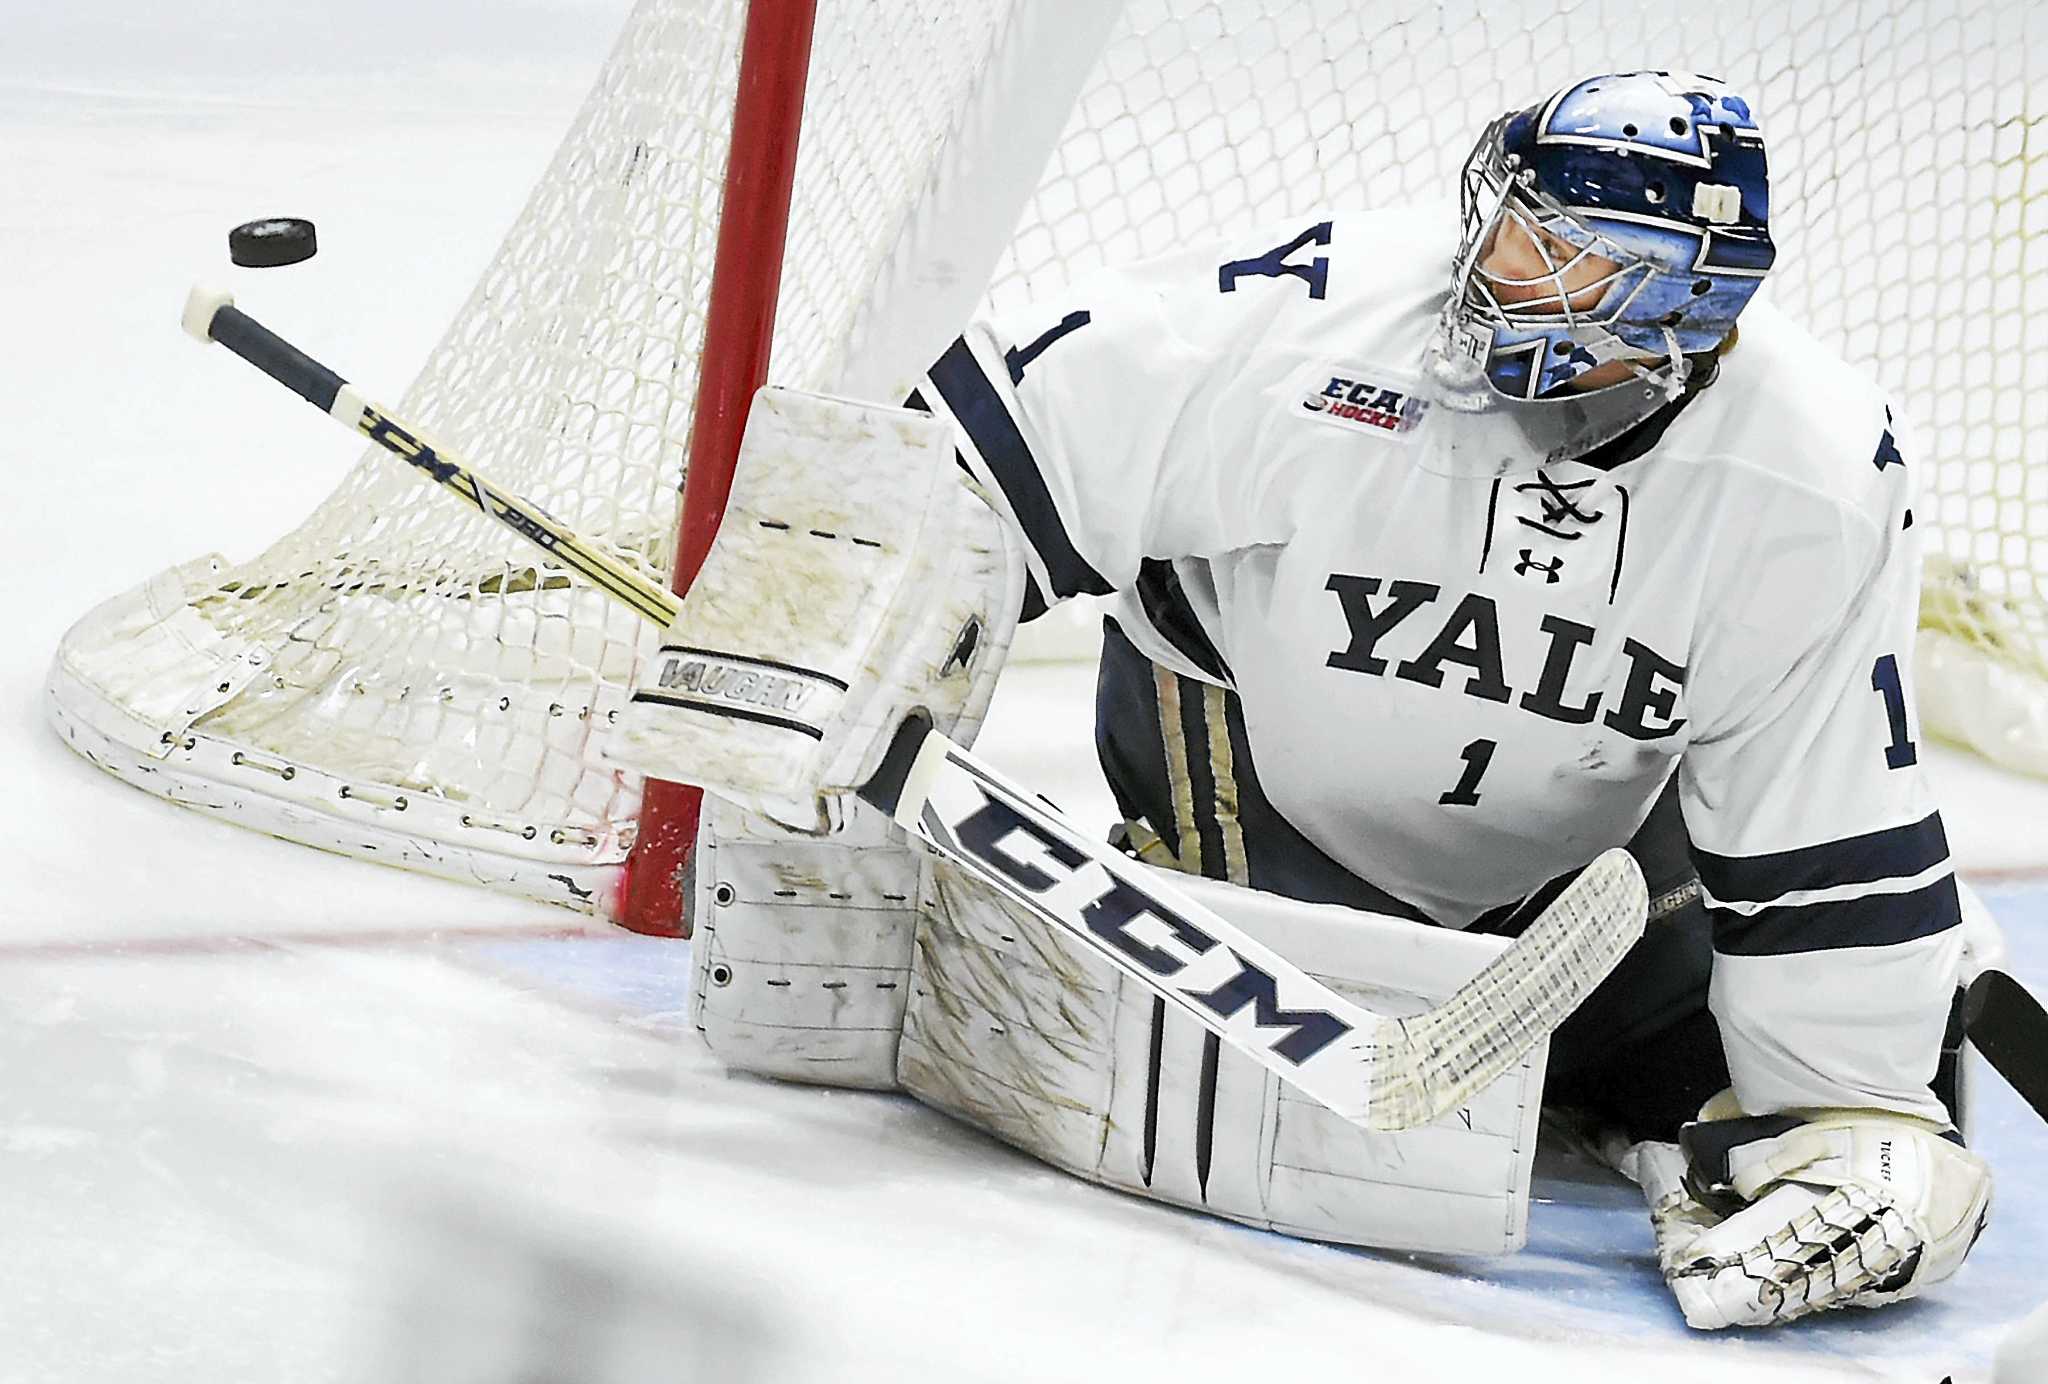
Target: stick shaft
[(2010, 1028), (336, 397)]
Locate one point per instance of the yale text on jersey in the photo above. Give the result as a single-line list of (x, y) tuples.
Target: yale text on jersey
[(1439, 631)]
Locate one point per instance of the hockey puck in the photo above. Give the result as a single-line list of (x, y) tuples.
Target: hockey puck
[(273, 241)]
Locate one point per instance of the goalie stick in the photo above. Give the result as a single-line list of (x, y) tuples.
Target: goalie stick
[(1377, 1070), (2010, 1028), (212, 316)]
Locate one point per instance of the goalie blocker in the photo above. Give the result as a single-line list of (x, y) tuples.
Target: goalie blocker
[(825, 614)]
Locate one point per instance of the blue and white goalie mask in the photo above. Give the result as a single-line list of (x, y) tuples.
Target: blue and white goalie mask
[(1625, 218)]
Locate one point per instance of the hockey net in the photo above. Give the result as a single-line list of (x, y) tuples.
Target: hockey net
[(397, 677)]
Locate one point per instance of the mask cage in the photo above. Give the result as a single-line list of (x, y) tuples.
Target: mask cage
[(1493, 192)]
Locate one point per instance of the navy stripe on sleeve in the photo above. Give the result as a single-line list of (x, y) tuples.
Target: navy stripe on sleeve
[(981, 413), (1875, 920), (1035, 603), (1893, 853)]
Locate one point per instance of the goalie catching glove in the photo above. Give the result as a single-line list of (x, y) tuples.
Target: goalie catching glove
[(893, 591), (1769, 1218)]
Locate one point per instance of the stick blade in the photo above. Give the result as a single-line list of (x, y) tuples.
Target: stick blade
[(1479, 1033)]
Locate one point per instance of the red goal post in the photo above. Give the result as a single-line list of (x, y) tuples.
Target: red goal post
[(739, 332)]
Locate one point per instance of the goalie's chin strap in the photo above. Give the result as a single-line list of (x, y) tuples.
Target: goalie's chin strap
[(1635, 441), (1671, 378)]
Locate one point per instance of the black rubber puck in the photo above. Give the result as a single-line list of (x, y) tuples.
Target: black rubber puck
[(273, 241)]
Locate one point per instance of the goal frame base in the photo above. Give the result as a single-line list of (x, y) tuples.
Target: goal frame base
[(318, 809)]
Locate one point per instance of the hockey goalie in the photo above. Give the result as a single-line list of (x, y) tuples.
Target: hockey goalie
[(1445, 555)]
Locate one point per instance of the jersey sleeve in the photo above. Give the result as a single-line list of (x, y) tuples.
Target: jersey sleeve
[(1820, 853), (1098, 423)]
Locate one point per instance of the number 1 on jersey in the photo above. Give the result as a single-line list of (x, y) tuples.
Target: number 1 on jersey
[(1477, 756), (1884, 680)]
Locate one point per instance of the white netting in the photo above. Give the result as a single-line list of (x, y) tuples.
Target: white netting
[(418, 652)]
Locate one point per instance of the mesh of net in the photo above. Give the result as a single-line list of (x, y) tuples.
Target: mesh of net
[(420, 647)]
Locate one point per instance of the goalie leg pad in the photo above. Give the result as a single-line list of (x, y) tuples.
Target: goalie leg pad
[(856, 578), (1013, 1029), (802, 947)]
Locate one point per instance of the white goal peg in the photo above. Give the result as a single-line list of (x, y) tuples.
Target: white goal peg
[(1720, 203)]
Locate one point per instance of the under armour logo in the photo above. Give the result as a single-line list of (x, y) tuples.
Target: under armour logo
[(1558, 506), (1549, 567)]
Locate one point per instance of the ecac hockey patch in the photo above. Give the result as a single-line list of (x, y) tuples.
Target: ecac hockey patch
[(1379, 406)]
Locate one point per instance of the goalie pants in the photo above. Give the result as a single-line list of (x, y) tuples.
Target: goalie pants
[(1642, 1052)]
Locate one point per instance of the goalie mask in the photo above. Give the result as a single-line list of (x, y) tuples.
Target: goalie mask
[(1624, 218)]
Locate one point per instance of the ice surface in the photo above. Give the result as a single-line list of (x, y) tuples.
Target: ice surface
[(270, 1115)]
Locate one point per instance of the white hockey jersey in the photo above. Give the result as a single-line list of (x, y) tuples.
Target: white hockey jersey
[(1462, 682)]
